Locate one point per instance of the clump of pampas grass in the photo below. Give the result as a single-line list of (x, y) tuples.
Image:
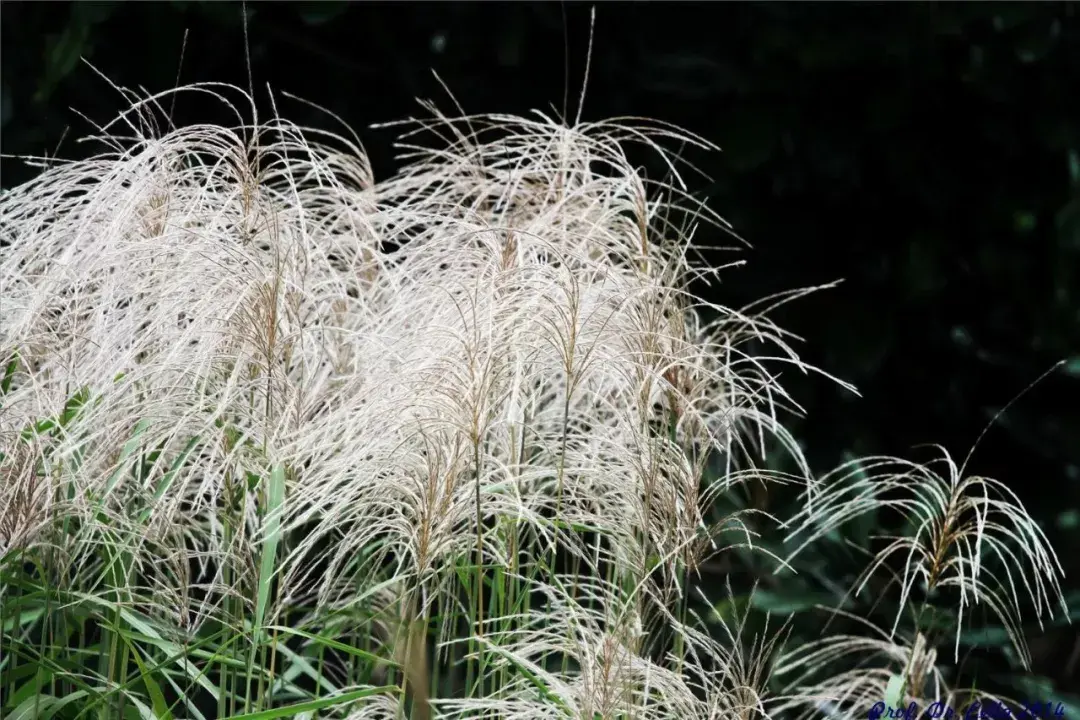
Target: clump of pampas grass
[(443, 444)]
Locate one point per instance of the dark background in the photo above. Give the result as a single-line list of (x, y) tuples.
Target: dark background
[(928, 154)]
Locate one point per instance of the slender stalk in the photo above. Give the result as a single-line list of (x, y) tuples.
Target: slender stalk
[(479, 569)]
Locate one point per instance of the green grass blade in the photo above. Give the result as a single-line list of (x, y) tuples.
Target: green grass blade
[(275, 498), (129, 447), (334, 644), (157, 698), (290, 710), (170, 475)]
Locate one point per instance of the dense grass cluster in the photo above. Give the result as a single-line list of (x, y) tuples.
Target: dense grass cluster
[(276, 438)]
